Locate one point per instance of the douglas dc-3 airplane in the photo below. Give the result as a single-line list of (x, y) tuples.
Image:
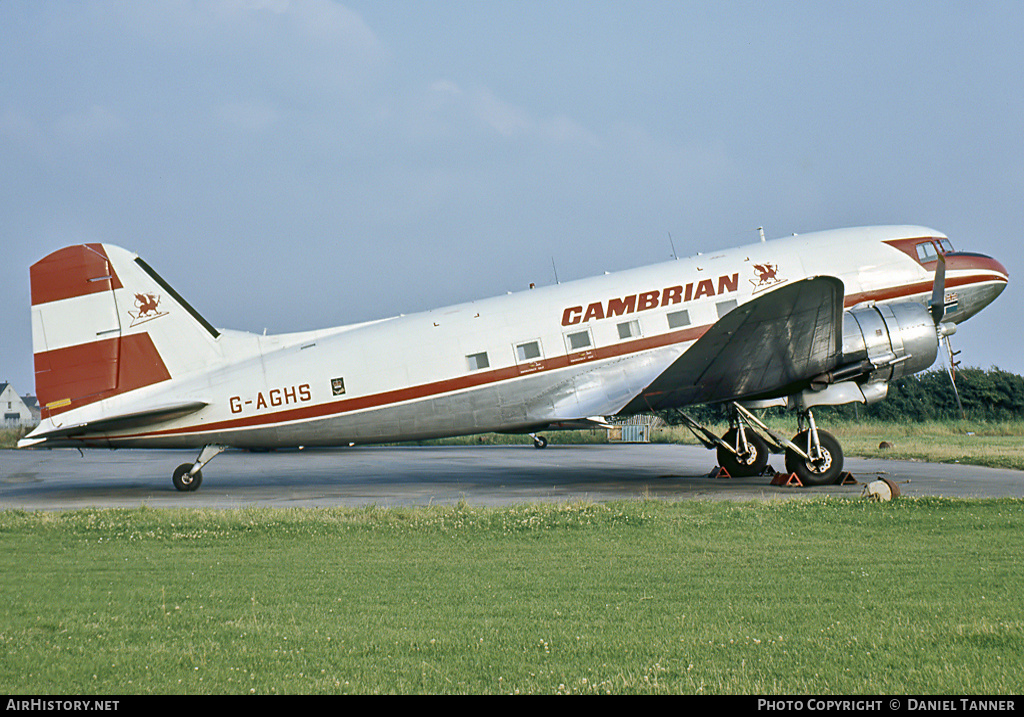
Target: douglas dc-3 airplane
[(122, 360)]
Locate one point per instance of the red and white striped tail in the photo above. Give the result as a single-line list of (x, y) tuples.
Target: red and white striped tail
[(103, 324)]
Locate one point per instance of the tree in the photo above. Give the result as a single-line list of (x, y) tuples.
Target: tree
[(993, 395)]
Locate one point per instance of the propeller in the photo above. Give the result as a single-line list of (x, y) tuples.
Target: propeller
[(937, 305), (937, 309)]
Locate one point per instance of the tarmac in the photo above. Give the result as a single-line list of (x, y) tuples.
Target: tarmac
[(65, 479)]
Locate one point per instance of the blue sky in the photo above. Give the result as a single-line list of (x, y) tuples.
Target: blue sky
[(294, 165)]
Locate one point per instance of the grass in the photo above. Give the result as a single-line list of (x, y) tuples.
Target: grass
[(9, 437), (998, 444), (914, 596)]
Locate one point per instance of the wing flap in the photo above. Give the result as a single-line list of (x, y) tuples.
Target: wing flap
[(765, 347)]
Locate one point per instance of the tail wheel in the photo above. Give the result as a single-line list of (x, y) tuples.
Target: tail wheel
[(826, 467), (185, 482), (750, 463), (540, 442)]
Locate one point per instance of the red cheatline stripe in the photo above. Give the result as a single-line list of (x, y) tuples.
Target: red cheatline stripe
[(70, 272), (435, 388), (488, 377), (922, 287)]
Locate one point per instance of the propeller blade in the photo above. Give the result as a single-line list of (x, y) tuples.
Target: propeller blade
[(937, 305)]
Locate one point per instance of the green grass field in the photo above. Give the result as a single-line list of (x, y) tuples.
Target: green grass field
[(914, 596), (997, 444)]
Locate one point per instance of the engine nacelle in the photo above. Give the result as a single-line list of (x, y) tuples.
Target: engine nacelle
[(880, 343), (889, 341)]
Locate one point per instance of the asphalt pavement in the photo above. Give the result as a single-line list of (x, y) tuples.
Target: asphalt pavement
[(61, 479)]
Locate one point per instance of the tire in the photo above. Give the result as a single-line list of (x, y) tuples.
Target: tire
[(185, 483), (824, 472), (540, 442), (752, 464)]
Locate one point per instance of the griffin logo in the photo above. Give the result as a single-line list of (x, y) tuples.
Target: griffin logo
[(767, 276), (147, 308)]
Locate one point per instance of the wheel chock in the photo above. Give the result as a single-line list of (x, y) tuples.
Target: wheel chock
[(846, 478), (719, 472), (787, 480)]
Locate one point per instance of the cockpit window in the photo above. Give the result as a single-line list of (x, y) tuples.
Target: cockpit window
[(926, 251), (945, 245)]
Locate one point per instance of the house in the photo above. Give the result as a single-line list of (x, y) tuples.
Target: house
[(17, 411)]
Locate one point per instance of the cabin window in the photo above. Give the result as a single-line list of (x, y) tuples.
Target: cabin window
[(530, 351), (724, 307), (629, 329), (678, 319), (926, 251), (945, 245), (578, 341), (478, 361)]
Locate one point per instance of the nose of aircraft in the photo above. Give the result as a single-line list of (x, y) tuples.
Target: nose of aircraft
[(977, 279)]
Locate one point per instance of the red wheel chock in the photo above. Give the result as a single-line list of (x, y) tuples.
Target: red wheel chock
[(787, 480)]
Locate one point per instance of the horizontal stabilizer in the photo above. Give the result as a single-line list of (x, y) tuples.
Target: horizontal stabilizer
[(115, 423)]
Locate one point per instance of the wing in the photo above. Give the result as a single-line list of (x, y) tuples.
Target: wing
[(766, 347)]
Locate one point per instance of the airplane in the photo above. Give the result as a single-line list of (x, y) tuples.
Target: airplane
[(824, 318)]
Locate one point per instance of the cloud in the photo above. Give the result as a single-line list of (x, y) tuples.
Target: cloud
[(508, 120)]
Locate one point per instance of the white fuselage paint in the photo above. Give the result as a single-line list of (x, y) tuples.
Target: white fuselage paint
[(412, 377)]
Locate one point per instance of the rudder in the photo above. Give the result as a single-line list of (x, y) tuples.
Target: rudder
[(104, 323)]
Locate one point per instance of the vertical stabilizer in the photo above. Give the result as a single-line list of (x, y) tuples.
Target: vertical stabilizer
[(104, 323)]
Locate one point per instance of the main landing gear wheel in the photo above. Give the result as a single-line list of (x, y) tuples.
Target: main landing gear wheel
[(185, 482), (825, 467), (743, 464)]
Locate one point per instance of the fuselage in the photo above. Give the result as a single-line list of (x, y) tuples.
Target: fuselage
[(520, 361)]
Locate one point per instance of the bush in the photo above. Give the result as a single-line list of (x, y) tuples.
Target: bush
[(992, 395)]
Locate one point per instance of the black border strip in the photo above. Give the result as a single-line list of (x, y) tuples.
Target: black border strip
[(177, 297)]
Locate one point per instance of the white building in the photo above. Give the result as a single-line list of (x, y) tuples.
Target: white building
[(16, 412)]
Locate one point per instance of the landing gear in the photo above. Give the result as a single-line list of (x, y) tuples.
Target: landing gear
[(189, 476), (741, 451), (822, 459), (814, 456), (186, 481), (745, 453), (539, 441)]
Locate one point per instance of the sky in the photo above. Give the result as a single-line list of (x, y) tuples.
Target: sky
[(292, 165)]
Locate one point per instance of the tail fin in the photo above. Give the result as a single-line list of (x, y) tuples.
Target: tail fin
[(104, 323)]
